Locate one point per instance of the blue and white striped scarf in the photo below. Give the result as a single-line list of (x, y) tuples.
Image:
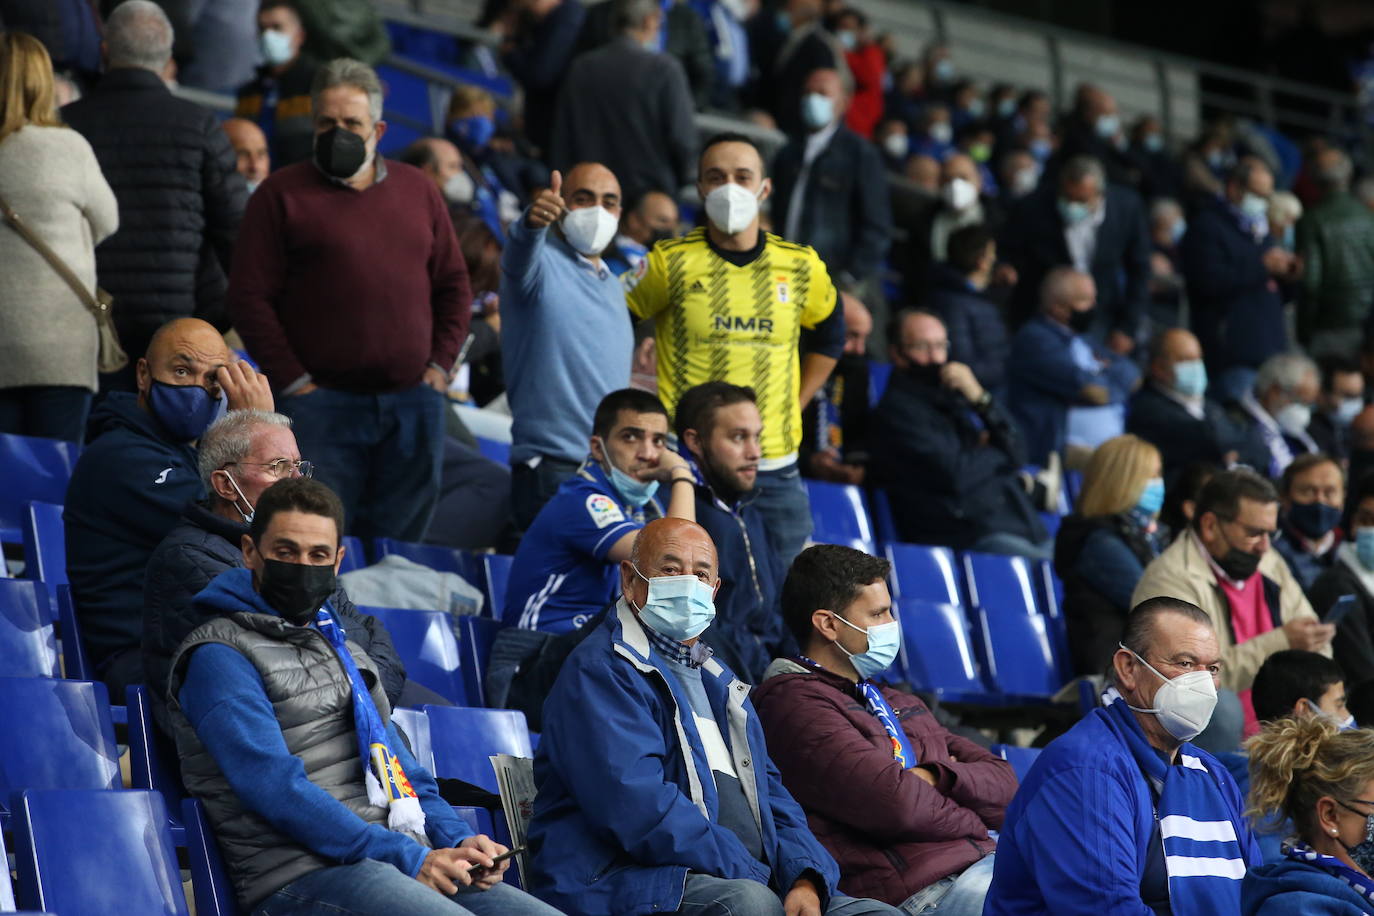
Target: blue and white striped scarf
[(1200, 828), (1361, 883)]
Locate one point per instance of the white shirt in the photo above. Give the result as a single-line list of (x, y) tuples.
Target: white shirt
[(1081, 237)]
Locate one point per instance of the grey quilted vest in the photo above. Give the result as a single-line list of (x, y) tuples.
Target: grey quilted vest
[(312, 698)]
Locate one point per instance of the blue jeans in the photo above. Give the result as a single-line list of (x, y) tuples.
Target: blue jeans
[(705, 895), (781, 500), (957, 895), (531, 487), (381, 453), (372, 888), (45, 411)]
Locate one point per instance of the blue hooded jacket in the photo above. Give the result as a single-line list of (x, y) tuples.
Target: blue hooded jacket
[(127, 492), (1290, 888), (627, 804)]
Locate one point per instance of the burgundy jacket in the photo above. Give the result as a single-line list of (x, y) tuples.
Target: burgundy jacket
[(890, 831)]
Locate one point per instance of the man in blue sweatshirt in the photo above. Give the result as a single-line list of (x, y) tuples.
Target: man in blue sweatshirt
[(284, 734)]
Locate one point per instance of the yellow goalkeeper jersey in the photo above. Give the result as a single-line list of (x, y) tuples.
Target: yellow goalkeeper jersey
[(734, 317)]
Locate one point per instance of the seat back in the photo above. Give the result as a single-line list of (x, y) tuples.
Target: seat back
[(880, 511), (415, 724), (149, 754), (6, 888), (1000, 583), (27, 645), (84, 852), (463, 739), (444, 559), (354, 557), (925, 572), (939, 647), (214, 894), (495, 574), (55, 734), (1020, 653), (1020, 758), (492, 450), (32, 469), (45, 547), (476, 635), (425, 642), (839, 513), (74, 660)]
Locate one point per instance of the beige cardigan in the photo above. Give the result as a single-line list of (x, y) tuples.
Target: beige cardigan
[(1182, 571)]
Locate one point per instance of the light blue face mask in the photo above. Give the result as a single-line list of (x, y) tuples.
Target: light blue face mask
[(678, 607), (1152, 497), (1190, 378), (1348, 410), (635, 492), (1254, 207), (1177, 230), (1074, 211), (817, 110), (1346, 725), (1364, 547), (1107, 126), (884, 640)]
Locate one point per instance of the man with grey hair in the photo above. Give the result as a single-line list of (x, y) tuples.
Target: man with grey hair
[(350, 291), (1278, 409), (1336, 242), (173, 173), (239, 457), (1082, 221)]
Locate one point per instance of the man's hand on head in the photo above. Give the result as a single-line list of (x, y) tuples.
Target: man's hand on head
[(547, 207), (244, 387), (802, 900)]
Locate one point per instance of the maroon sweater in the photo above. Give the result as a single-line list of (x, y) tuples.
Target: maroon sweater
[(361, 289), (891, 832)]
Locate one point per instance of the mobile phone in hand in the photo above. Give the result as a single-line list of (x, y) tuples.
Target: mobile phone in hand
[(1344, 605)]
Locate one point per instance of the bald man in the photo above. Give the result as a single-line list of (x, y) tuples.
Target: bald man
[(566, 339), (1063, 387), (137, 475), (828, 189), (653, 759), (1172, 411), (250, 151)]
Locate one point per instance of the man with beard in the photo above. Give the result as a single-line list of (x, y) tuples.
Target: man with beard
[(719, 426), (947, 454)]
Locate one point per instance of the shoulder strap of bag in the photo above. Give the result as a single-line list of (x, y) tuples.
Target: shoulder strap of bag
[(87, 298)]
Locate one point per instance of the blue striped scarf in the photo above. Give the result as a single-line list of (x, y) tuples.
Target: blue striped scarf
[(1200, 827)]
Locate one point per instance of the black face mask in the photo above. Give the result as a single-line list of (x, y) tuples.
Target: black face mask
[(928, 374), (340, 153), (659, 235), (1082, 321), (295, 590)]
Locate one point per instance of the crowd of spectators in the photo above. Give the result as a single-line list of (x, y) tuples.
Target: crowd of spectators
[(944, 292)]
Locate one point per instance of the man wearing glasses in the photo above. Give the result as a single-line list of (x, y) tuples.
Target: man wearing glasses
[(239, 457), (1223, 564)]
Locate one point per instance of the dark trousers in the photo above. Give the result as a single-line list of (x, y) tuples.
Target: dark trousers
[(45, 411), (381, 453), (531, 487)]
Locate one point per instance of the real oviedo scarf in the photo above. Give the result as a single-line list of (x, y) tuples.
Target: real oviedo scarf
[(387, 785)]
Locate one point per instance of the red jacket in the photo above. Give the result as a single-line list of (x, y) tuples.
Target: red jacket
[(890, 831), (868, 65)]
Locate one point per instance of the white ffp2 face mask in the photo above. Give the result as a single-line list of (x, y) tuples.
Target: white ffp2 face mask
[(1184, 704), (732, 208), (589, 229)]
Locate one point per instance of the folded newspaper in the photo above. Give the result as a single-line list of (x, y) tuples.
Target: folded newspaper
[(515, 782)]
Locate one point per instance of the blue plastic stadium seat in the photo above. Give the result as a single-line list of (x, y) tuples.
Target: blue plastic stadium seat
[(1020, 758), (153, 759), (31, 469), (45, 547), (27, 646), (1000, 583), (1051, 521), (214, 894), (427, 647), (415, 726), (925, 572), (354, 556), (1020, 654), (84, 852), (463, 739), (839, 513), (939, 650), (494, 451), (55, 734), (880, 511), (444, 559), (878, 374), (74, 659), (476, 635), (495, 574)]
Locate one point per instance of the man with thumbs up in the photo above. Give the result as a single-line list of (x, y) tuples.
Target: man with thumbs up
[(566, 338)]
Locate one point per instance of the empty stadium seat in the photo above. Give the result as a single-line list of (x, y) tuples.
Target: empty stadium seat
[(939, 650), (476, 634), (1020, 758), (55, 734), (925, 572), (495, 574), (74, 660), (354, 556), (839, 513), (1000, 583), (31, 469), (153, 759), (1020, 655), (425, 642), (27, 645), (45, 548), (85, 852), (415, 724), (463, 739), (214, 894)]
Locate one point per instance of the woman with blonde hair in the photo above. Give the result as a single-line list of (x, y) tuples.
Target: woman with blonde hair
[(1322, 779), (1102, 549), (50, 180)]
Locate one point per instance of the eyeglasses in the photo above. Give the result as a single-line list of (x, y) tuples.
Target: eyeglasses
[(282, 467)]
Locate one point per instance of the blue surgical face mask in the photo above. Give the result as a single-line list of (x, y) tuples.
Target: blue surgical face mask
[(974, 109), (1107, 126), (474, 130), (1151, 498), (1348, 410), (884, 640), (185, 411), (944, 71), (635, 492), (678, 607), (1364, 547), (1254, 207), (817, 110), (1153, 143), (1041, 149), (1074, 211), (1190, 378), (276, 47), (1176, 232), (1006, 106), (1346, 725)]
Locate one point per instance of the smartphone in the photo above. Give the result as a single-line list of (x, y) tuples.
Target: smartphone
[(497, 860), (1344, 605)]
